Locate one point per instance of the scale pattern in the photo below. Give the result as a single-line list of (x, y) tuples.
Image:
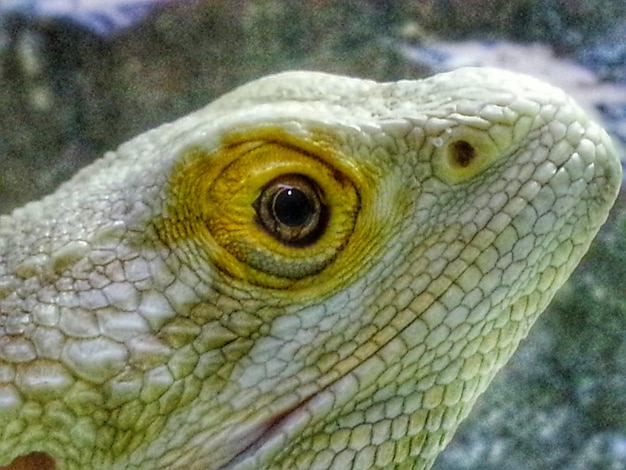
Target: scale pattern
[(148, 320)]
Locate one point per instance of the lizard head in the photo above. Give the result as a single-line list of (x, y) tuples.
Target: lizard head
[(311, 272)]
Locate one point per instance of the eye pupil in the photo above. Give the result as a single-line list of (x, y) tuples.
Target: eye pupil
[(292, 207)]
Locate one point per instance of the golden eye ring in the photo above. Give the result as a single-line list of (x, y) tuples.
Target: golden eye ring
[(272, 213)]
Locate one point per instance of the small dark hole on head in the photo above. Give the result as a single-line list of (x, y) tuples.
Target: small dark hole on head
[(462, 153)]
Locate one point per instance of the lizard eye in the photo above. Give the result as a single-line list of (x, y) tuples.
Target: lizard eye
[(269, 213), (290, 209)]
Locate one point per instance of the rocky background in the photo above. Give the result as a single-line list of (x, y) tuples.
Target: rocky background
[(70, 90)]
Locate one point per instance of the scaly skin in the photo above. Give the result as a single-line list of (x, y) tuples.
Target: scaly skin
[(152, 318)]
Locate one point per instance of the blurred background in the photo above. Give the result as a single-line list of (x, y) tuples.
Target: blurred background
[(78, 77)]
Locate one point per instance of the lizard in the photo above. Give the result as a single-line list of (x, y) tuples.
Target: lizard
[(313, 271)]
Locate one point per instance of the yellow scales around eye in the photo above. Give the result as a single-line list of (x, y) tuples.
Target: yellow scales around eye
[(312, 272), (221, 211)]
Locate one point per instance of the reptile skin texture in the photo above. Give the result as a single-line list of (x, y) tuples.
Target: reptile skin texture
[(312, 272)]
